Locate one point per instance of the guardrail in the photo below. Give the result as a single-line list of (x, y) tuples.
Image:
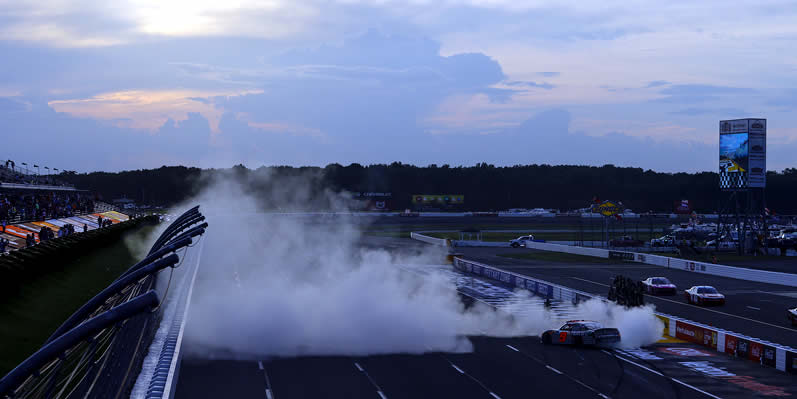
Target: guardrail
[(769, 354), (761, 276), (441, 242), (98, 351)]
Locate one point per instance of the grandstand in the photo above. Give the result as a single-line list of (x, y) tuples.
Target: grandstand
[(31, 204), (19, 176)]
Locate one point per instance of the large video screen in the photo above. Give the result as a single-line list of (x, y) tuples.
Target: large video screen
[(734, 154)]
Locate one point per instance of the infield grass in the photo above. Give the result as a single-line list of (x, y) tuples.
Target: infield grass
[(28, 319)]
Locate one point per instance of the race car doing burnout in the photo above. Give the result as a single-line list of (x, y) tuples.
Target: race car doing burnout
[(704, 295), (581, 332), (659, 286)]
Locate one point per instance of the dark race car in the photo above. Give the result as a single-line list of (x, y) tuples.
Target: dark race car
[(791, 315), (581, 332), (659, 286)]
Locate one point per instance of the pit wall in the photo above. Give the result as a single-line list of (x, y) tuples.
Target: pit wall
[(741, 273), (763, 352)]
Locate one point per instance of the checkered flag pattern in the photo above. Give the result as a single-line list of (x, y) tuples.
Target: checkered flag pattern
[(733, 180)]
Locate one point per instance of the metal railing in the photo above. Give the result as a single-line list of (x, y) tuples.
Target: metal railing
[(98, 351)]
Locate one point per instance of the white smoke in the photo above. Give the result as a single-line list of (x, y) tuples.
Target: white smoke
[(285, 286), (638, 326)]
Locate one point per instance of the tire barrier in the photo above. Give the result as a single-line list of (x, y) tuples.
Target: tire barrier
[(99, 350), (627, 292), (766, 353)]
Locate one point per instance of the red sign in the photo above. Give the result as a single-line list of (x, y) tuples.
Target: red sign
[(698, 335), (730, 344), (755, 352), (683, 207)]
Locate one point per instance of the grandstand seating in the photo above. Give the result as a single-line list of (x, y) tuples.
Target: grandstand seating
[(16, 233)]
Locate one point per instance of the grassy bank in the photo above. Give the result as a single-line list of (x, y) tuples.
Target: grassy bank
[(27, 319)]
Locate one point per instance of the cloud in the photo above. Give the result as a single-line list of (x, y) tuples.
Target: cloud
[(657, 83), (543, 85), (548, 74), (726, 112), (698, 93), (144, 109)]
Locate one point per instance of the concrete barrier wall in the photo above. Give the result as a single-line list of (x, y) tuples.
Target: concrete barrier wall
[(761, 276), (766, 353), (429, 240), (474, 243)]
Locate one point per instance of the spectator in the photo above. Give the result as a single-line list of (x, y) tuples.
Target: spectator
[(85, 227), (3, 245), (42, 206)]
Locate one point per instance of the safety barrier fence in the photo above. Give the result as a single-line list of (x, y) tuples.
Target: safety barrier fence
[(761, 276), (98, 351), (441, 242), (769, 354)]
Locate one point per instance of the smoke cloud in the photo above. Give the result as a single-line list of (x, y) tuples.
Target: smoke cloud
[(290, 285)]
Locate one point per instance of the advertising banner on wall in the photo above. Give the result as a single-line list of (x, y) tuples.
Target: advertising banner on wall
[(742, 155), (695, 334)]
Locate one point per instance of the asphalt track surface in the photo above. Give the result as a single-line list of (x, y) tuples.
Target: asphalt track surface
[(497, 368), (754, 309)]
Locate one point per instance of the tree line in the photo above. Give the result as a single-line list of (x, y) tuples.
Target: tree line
[(484, 186)]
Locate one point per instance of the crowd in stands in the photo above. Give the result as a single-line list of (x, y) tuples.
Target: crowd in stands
[(43, 206), (9, 173)]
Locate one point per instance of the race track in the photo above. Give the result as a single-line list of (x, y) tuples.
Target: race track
[(520, 367), (754, 309)]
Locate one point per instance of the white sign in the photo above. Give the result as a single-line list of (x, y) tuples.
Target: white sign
[(758, 125)]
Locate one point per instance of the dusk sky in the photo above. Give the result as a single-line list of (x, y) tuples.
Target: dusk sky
[(96, 85)]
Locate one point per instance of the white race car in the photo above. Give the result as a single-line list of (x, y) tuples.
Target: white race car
[(704, 295), (520, 241)]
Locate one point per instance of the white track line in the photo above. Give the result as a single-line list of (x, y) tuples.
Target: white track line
[(269, 392), (553, 369), (697, 307), (371, 380), (668, 377)]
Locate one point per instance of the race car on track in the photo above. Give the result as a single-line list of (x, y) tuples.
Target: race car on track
[(659, 286), (704, 295), (581, 332), (791, 314), (520, 241)]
